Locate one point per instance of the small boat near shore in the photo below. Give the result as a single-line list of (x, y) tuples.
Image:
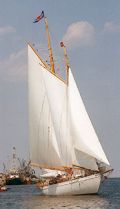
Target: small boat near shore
[(3, 188)]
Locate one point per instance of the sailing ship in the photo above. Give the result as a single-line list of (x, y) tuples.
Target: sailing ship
[(62, 136)]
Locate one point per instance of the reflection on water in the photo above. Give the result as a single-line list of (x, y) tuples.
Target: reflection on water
[(70, 202), (28, 197)]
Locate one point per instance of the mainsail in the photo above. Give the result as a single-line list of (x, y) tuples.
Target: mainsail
[(61, 133), (43, 147)]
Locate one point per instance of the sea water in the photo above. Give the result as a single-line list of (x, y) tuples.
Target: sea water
[(28, 197)]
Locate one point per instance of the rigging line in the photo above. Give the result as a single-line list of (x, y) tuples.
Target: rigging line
[(42, 107), (40, 123), (49, 128), (50, 113), (47, 67), (67, 121), (60, 126)]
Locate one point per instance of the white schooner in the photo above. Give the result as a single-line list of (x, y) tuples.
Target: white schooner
[(61, 134)]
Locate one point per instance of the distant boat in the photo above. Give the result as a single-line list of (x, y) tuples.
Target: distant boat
[(13, 179), (19, 171), (62, 136), (12, 172), (3, 188)]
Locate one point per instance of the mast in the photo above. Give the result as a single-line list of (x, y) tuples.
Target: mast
[(49, 46), (66, 61), (14, 158)]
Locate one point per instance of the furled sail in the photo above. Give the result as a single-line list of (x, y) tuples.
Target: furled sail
[(61, 133)]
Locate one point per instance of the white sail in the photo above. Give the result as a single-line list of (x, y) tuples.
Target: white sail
[(61, 133), (43, 146), (83, 160), (57, 93), (83, 134)]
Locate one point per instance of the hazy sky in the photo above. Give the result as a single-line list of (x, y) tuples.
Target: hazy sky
[(91, 31)]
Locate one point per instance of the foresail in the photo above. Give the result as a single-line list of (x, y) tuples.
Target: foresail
[(43, 146), (83, 160), (83, 135)]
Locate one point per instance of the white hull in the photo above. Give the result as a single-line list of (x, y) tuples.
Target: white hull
[(85, 185)]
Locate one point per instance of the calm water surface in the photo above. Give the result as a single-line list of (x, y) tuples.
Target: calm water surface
[(28, 197)]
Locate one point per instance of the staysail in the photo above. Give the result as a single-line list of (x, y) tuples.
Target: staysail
[(83, 134), (61, 133)]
